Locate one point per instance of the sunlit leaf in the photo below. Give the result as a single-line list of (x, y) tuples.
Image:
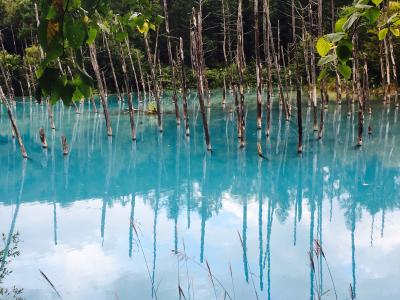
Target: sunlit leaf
[(323, 46)]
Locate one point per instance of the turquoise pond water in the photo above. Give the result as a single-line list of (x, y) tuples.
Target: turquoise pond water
[(252, 218)]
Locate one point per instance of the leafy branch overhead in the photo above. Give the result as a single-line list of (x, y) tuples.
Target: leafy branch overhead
[(66, 26), (369, 14)]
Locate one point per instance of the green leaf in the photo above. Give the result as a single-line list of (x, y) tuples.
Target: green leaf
[(350, 22), (372, 15), (43, 34), (75, 32), (121, 36), (67, 93), (344, 50), (339, 24), (326, 60), (344, 70), (395, 31), (323, 46), (334, 37), (92, 34), (52, 13), (382, 33), (322, 74), (377, 2)]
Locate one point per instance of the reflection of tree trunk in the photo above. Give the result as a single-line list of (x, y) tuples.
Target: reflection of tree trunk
[(95, 65), (14, 219)]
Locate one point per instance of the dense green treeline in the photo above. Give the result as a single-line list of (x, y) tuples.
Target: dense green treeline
[(20, 38)]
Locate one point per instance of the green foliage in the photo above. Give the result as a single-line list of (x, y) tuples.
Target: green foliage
[(11, 61), (363, 14), (65, 27), (6, 255), (32, 55)]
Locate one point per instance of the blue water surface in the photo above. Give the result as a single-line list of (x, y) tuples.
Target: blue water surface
[(117, 219)]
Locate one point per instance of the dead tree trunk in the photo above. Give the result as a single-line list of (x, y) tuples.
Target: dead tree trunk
[(323, 81), (43, 138), (338, 83), (359, 92), (382, 66), (128, 48), (143, 82), (298, 85), (197, 62), (394, 68), (388, 82), (306, 58), (112, 66), (13, 123), (258, 65), (240, 69), (267, 54), (103, 98), (156, 91), (130, 96), (171, 64), (277, 68), (182, 74), (313, 68)]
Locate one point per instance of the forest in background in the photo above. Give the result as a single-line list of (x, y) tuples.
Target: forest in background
[(17, 22)]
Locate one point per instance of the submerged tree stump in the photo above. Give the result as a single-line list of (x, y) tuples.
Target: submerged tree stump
[(64, 145), (43, 138)]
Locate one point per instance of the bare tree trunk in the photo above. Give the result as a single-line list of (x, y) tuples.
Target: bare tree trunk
[(141, 73), (13, 123), (382, 65), (182, 73), (388, 82), (128, 48), (112, 66), (103, 98), (197, 61), (394, 68), (240, 70), (306, 58), (258, 65), (267, 54), (50, 112), (156, 90), (130, 96), (338, 83), (171, 64), (43, 138), (277, 68), (313, 68), (323, 81), (298, 86), (359, 92)]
